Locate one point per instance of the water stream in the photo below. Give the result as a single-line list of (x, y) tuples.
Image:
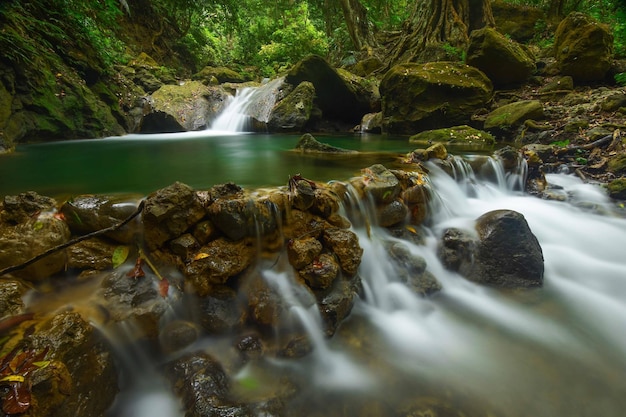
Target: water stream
[(555, 351)]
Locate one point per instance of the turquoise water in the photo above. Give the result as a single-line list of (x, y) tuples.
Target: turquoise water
[(144, 163)]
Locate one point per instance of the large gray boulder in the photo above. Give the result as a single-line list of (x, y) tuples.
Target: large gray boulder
[(183, 107), (583, 47), (417, 97), (503, 60), (506, 253)]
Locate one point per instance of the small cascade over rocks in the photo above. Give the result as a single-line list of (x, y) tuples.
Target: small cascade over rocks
[(425, 290), (250, 108)]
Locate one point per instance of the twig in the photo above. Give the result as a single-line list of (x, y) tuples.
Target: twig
[(73, 242)]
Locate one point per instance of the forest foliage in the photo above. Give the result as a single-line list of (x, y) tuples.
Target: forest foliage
[(267, 36)]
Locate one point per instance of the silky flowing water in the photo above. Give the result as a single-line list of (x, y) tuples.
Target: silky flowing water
[(559, 350)]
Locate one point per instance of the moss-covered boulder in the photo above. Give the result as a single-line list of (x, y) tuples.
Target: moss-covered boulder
[(617, 189), (617, 164), (416, 97), (458, 137), (210, 75), (191, 104), (308, 144), (337, 98), (512, 115), (293, 112), (583, 47), (503, 60), (51, 102)]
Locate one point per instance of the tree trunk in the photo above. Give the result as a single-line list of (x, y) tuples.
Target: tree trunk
[(556, 9), (355, 16), (440, 24)]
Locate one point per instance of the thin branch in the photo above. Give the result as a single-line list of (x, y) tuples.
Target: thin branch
[(73, 242)]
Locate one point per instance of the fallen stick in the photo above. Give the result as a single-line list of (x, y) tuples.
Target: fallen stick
[(73, 242)]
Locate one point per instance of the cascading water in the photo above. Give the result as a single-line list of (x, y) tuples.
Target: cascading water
[(248, 104), (234, 117), (466, 350)]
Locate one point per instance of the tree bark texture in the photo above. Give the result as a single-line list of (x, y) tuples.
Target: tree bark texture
[(355, 16), (434, 23)]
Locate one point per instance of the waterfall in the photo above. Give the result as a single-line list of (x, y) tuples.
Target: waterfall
[(249, 104), (234, 117)]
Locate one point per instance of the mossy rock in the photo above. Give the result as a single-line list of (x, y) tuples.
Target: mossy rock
[(503, 60), (513, 115), (617, 164), (294, 111), (459, 137), (187, 103), (617, 189), (308, 144), (583, 47), (221, 74), (417, 97), (338, 98)]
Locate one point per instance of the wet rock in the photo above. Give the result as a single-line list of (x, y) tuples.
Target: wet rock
[(184, 246), (204, 386), (90, 364), (456, 248), (217, 262), (308, 144), (300, 223), (89, 213), (345, 245), (436, 151), (302, 252), (411, 269), (417, 97), (23, 241), (135, 300), (509, 253), (177, 335), (243, 217), (379, 183), (91, 254), (250, 346), (458, 137), (170, 212), (335, 303), (504, 253), (11, 292), (292, 113), (220, 311), (321, 272), (391, 214), (503, 60), (20, 208), (511, 116), (583, 47)]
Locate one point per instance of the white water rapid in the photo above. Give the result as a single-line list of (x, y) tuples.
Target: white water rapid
[(469, 350), (248, 104)]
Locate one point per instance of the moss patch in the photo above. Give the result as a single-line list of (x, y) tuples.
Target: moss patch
[(460, 137)]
